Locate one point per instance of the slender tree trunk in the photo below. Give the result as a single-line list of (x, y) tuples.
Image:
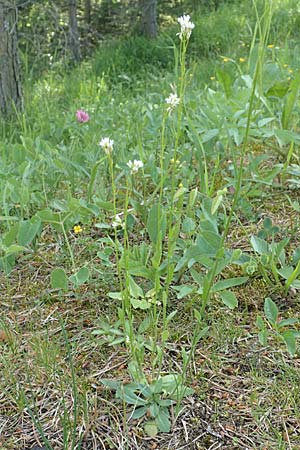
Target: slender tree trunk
[(73, 30), (148, 18), (10, 85), (87, 11)]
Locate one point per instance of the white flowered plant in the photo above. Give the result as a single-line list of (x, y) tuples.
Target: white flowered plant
[(107, 145), (186, 26), (135, 165), (118, 222), (172, 101)]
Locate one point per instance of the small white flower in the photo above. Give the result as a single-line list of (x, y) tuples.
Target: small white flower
[(186, 26), (135, 165), (173, 100), (118, 222), (107, 145)]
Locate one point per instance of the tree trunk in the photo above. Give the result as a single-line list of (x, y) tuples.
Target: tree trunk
[(148, 18), (10, 85), (87, 11), (73, 30)]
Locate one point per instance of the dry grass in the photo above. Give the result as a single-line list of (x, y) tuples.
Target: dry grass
[(246, 396)]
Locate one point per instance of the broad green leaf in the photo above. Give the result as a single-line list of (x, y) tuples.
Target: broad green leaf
[(290, 101), (184, 290), (138, 412), (188, 225), (14, 248), (262, 337), (170, 383), (49, 216), (285, 272), (131, 398), (162, 420), (271, 311), (259, 245), (115, 295), (151, 429), (59, 279), (286, 322), (226, 80), (171, 316), (290, 340), (209, 135), (135, 290), (140, 303), (156, 219), (80, 277), (145, 325), (228, 283), (11, 236), (28, 229), (260, 322), (156, 387), (229, 299), (111, 384), (136, 268)]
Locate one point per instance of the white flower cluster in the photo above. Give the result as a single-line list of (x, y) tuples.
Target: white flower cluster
[(173, 100), (186, 26), (107, 145), (135, 165), (118, 222)]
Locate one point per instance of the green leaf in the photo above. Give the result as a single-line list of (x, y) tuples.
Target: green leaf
[(162, 420), (115, 295), (228, 283), (171, 315), (80, 277), (260, 322), (111, 384), (156, 217), (138, 412), (290, 340), (259, 245), (286, 322), (271, 311), (131, 398), (59, 279), (28, 229), (14, 248), (144, 325), (135, 290), (188, 225), (140, 303), (156, 387), (184, 290), (49, 216), (151, 429), (226, 80), (290, 101), (262, 337), (229, 299)]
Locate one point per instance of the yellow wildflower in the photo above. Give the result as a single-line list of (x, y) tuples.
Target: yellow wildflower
[(212, 78), (285, 65), (242, 60), (77, 229), (225, 59), (290, 71), (271, 46)]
